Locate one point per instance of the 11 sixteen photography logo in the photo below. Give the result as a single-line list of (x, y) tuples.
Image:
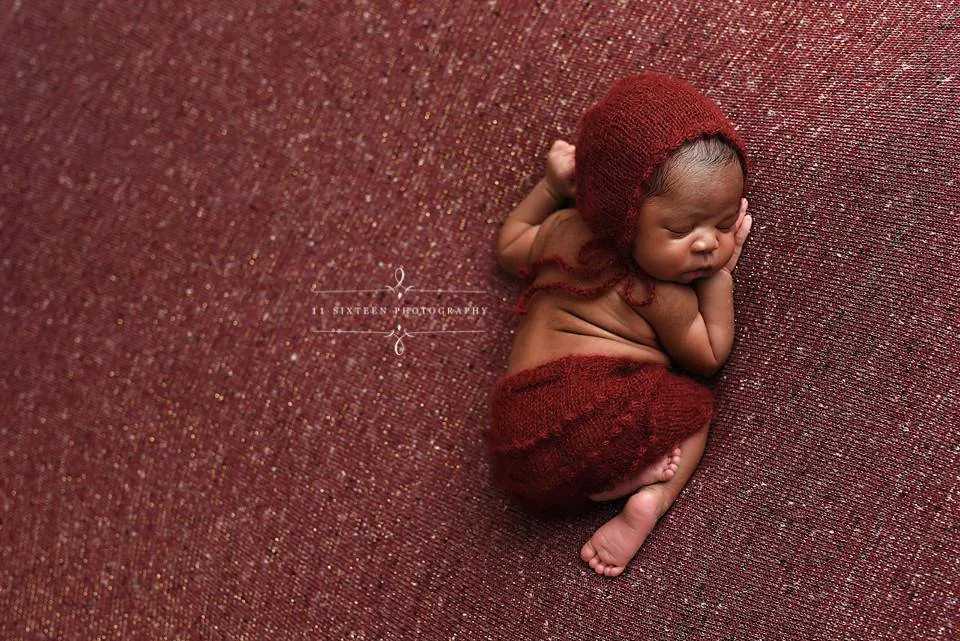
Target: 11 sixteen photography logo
[(397, 313)]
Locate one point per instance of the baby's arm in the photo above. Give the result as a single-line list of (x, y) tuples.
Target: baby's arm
[(695, 324), (520, 230), (676, 315)]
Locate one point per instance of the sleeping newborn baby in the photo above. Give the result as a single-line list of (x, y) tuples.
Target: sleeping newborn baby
[(631, 298)]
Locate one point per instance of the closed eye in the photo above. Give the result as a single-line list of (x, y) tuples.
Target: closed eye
[(727, 225)]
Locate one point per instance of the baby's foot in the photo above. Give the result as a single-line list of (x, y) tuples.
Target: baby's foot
[(662, 470), (612, 546)]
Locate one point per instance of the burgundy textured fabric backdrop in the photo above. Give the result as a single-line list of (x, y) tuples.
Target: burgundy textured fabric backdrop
[(189, 189)]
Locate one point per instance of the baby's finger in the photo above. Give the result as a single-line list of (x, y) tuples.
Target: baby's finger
[(744, 230), (740, 215)]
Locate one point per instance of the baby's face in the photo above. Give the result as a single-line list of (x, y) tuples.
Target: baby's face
[(687, 232)]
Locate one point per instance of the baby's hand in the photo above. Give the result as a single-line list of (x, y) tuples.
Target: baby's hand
[(560, 171), (740, 232)]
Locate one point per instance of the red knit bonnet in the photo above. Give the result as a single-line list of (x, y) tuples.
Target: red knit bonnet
[(641, 121)]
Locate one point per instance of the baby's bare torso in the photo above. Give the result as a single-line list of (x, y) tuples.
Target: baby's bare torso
[(558, 323)]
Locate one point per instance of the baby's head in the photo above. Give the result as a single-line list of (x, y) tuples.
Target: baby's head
[(660, 174)]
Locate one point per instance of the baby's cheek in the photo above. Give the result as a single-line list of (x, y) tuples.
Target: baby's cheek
[(727, 245)]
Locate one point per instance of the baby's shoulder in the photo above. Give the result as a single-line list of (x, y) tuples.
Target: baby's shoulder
[(564, 233), (668, 300)]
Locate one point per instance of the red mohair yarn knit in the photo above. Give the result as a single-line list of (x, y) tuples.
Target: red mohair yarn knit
[(641, 121), (635, 127), (577, 425)]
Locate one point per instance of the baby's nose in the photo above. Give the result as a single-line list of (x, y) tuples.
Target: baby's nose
[(706, 243)]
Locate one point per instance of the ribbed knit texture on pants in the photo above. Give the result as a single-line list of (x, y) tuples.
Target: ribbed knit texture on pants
[(577, 425)]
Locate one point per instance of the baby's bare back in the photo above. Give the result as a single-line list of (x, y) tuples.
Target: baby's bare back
[(558, 323)]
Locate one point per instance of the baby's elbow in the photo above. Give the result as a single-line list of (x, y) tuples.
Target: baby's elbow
[(703, 366), (704, 359), (514, 250), (513, 258), (508, 264), (709, 370)]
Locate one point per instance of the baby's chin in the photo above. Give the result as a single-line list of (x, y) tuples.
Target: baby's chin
[(682, 277), (686, 278)]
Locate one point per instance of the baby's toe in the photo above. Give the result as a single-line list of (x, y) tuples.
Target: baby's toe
[(589, 554)]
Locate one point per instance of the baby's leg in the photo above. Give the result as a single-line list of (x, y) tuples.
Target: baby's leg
[(661, 470), (612, 546)]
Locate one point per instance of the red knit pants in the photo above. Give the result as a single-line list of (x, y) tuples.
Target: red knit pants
[(578, 425)]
